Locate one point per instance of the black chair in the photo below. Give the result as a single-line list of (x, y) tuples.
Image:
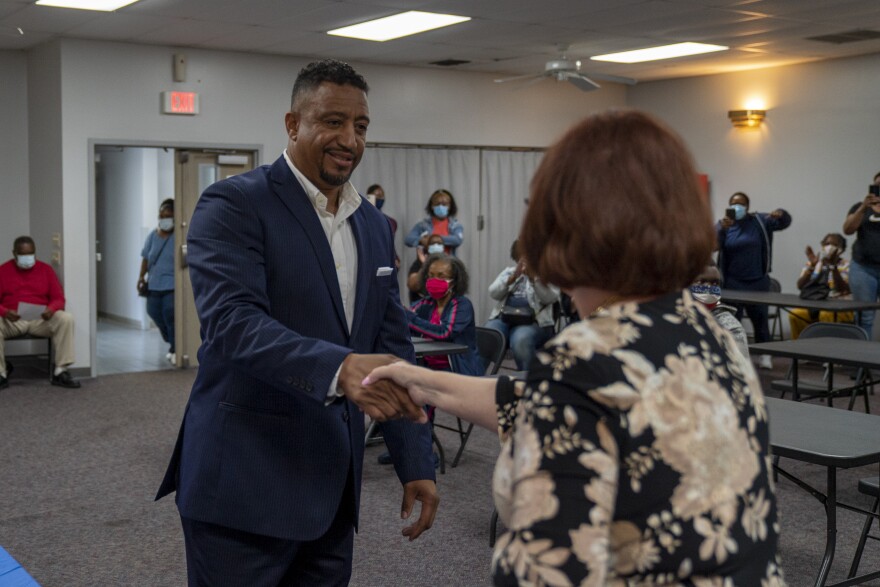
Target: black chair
[(50, 352), (491, 346), (816, 389), (868, 486)]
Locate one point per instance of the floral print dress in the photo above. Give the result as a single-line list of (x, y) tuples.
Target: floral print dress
[(637, 454)]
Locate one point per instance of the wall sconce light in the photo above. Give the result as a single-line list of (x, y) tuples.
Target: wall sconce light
[(747, 118)]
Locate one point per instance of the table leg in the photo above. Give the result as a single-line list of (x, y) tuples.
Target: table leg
[(830, 383), (794, 380), (830, 528)]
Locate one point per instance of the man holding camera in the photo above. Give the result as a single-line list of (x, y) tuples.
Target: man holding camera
[(745, 253)]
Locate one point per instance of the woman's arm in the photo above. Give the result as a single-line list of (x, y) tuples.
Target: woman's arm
[(413, 236), (458, 316), (499, 288), (854, 218), (456, 234), (469, 398)]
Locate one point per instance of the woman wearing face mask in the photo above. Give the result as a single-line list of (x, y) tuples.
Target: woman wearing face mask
[(706, 289), (524, 309), (863, 220), (745, 252), (157, 275), (446, 314), (414, 277), (441, 220), (825, 275)]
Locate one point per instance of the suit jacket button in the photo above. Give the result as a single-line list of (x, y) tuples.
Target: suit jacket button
[(345, 416)]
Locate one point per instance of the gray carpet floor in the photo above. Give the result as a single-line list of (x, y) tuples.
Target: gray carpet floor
[(79, 469)]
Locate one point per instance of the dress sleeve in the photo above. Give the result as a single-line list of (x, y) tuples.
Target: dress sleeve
[(564, 469)]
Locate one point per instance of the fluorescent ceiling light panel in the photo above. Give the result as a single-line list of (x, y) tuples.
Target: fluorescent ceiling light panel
[(398, 25), (102, 5), (664, 52)]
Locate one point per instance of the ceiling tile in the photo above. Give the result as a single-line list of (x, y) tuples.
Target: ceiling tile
[(45, 19)]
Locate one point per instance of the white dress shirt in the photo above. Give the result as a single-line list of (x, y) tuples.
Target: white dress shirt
[(337, 228)]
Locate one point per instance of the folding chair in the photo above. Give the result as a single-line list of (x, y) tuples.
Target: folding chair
[(868, 486), (816, 389), (491, 346), (50, 352)]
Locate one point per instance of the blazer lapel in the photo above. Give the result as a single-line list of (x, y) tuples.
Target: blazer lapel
[(294, 198), (365, 267)]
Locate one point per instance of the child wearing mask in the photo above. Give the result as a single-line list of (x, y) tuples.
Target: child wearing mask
[(414, 284), (706, 289)]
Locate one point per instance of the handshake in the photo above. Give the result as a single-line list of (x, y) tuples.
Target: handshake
[(380, 389)]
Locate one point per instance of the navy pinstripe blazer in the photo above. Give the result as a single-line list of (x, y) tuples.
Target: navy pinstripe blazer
[(258, 449)]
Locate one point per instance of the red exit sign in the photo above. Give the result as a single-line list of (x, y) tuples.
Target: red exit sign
[(180, 103)]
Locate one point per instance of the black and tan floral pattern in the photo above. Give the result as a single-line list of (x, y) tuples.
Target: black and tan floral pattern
[(637, 454)]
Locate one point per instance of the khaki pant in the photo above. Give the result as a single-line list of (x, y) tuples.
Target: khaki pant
[(799, 318), (59, 328)]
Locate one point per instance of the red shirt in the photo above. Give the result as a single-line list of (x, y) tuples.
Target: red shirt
[(37, 285)]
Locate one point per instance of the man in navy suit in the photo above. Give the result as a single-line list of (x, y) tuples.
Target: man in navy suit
[(294, 282)]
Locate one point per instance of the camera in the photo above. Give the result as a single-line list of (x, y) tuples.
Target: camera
[(874, 190), (730, 213)]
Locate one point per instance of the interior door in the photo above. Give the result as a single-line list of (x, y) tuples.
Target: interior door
[(195, 170)]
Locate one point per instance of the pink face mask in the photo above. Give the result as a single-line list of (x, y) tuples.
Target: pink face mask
[(437, 288)]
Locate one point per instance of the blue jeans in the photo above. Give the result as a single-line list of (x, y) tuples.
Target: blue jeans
[(160, 307), (864, 281), (522, 340)]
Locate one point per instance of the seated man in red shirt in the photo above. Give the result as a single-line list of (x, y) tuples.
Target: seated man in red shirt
[(23, 279)]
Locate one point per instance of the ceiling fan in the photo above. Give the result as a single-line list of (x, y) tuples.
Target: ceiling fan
[(563, 69)]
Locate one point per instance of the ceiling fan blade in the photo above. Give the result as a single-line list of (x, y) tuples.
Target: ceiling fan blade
[(583, 83), (614, 78), (518, 77)]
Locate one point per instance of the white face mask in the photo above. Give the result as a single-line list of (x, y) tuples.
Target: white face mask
[(828, 250), (707, 298), (435, 249), (166, 224), (26, 261)]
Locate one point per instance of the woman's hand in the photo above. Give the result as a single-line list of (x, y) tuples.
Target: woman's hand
[(811, 256), (405, 375)]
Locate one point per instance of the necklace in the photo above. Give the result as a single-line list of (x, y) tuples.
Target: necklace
[(603, 305)]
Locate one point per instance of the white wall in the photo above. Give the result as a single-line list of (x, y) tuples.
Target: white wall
[(815, 156), (111, 92), (14, 207)]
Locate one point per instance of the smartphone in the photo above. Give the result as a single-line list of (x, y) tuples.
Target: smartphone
[(874, 190), (730, 213)]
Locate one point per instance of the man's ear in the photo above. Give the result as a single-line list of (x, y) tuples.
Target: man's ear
[(291, 123)]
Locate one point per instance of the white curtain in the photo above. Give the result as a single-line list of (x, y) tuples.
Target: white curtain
[(490, 183)]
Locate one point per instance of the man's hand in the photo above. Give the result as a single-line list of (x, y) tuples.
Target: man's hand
[(425, 491), (12, 316), (47, 315), (383, 400), (776, 213)]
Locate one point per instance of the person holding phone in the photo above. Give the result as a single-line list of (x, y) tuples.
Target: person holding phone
[(863, 220), (745, 252)]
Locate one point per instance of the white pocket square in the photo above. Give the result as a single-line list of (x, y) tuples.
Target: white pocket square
[(383, 271)]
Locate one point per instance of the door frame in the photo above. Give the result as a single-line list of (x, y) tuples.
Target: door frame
[(257, 149)]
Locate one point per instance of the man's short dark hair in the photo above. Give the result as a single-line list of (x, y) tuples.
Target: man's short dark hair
[(373, 188), (167, 204), (329, 70), (23, 240), (743, 194)]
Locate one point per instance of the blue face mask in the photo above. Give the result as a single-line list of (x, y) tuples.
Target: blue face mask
[(380, 203), (441, 211), (739, 210), (435, 248)]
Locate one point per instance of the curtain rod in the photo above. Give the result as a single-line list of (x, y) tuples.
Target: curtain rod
[(456, 147)]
